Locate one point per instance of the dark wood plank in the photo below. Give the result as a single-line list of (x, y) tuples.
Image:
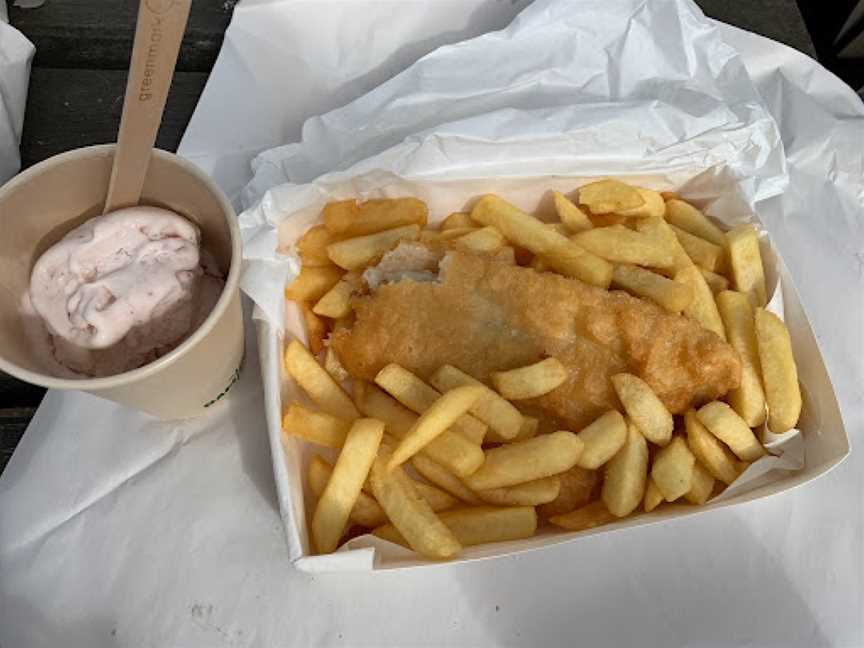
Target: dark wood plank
[(67, 109), (13, 422), (779, 20), (98, 33)]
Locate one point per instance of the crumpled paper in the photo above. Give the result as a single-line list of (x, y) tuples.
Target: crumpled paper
[(16, 54), (458, 124)]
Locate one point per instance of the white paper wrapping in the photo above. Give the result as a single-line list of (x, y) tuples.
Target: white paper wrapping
[(690, 122), (189, 550), (16, 53)]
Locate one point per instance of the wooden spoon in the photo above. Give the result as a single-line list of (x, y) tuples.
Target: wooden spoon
[(160, 28)]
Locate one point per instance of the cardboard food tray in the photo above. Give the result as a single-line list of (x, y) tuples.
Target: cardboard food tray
[(821, 445)]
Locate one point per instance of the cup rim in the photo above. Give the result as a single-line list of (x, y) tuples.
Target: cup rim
[(232, 279)]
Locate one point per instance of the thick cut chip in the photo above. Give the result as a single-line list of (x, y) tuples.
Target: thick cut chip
[(717, 283), (722, 421), (316, 382), (410, 513), (603, 439), (348, 218), (336, 302), (527, 232), (669, 294), (686, 217), (609, 196), (703, 253), (315, 427), (573, 218), (745, 258), (709, 451), (434, 422), (312, 283), (672, 470), (578, 486), (516, 463), (778, 371), (702, 308), (620, 244), (539, 491), (644, 408), (531, 381), (486, 239), (366, 511), (316, 328), (624, 476), (356, 253), (312, 246), (653, 496), (749, 398), (589, 516), (479, 525), (457, 220), (444, 479), (493, 410), (345, 483), (701, 485), (659, 231), (654, 205)]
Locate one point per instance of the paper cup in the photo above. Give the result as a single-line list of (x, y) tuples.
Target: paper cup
[(42, 204)]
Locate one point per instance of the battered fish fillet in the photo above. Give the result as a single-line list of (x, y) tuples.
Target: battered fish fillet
[(487, 316)]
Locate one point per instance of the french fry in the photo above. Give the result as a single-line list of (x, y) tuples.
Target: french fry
[(454, 233), (366, 511), (722, 421), (434, 421), (506, 254), (577, 488), (315, 427), (659, 231), (709, 451), (345, 483), (703, 308), (560, 228), (717, 283), (778, 371), (573, 218), (669, 294), (486, 239), (349, 219), (531, 381), (336, 302), (672, 469), (500, 415), (444, 479), (624, 476), (603, 439), (748, 274), (416, 395), (703, 253), (538, 264), (516, 463), (312, 246), (686, 217), (355, 253), (312, 283), (315, 381), (408, 512), (701, 485), (644, 408), (653, 496), (654, 205), (478, 525), (333, 366), (529, 429), (589, 516), (539, 491), (620, 244), (558, 251), (605, 196), (438, 499), (450, 449), (457, 220), (316, 328), (748, 399)]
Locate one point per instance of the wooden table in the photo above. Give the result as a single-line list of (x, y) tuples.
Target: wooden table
[(79, 76)]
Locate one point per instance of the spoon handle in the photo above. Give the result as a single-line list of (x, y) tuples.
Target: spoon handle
[(160, 28)]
